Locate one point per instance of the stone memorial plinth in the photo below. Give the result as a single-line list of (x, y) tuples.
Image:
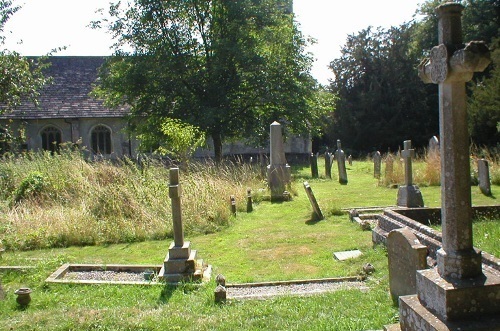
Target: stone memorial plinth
[(409, 195), (458, 294), (278, 171)]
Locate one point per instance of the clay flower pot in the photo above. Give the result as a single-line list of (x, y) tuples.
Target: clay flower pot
[(23, 296)]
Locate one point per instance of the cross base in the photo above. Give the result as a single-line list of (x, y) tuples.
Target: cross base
[(410, 196)]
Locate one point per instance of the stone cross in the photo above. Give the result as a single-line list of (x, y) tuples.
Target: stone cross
[(408, 153), (340, 156), (451, 65), (174, 192)]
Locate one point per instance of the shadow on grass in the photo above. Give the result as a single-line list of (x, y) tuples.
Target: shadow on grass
[(166, 293)]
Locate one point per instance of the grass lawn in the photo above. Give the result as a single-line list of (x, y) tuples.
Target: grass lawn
[(277, 241)]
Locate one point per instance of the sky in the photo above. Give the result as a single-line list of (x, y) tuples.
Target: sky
[(42, 25)]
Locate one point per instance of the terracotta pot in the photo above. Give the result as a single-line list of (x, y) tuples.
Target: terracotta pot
[(23, 296)]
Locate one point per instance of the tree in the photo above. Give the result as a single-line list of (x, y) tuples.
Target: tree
[(382, 102), (20, 77), (228, 67)]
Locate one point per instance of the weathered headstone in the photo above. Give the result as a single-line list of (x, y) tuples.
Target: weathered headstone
[(249, 201), (312, 199), (409, 195), (484, 176), (278, 171), (406, 256), (389, 166), (434, 145), (349, 160), (313, 159), (377, 164), (458, 294), (328, 165), (340, 156), (232, 201), (180, 262)]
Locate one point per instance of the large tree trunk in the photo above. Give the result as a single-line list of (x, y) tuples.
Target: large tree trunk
[(217, 147)]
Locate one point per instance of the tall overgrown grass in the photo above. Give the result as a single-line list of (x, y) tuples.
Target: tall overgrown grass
[(427, 167), (63, 200)]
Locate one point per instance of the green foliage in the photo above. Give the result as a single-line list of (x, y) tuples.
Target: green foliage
[(31, 186), (229, 68), (179, 139)]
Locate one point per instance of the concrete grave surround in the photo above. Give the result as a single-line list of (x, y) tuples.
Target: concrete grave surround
[(406, 256), (278, 171), (340, 156), (345, 255), (459, 294), (409, 195), (484, 176)]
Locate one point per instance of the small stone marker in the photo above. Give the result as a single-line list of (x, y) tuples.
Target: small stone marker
[(313, 159), (377, 164), (232, 200), (220, 294), (340, 156), (278, 171), (341, 256), (317, 211), (484, 176), (409, 195), (349, 160), (249, 201), (406, 256)]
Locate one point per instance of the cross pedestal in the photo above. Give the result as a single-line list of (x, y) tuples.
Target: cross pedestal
[(409, 195), (459, 294)]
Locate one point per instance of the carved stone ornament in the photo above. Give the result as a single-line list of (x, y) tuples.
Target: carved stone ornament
[(439, 64)]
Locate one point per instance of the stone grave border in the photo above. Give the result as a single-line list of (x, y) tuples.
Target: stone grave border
[(58, 275)]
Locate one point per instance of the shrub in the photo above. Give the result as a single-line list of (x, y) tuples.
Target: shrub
[(31, 186)]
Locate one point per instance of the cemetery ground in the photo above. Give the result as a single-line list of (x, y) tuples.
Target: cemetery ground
[(277, 241)]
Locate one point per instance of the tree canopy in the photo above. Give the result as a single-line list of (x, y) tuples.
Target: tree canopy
[(229, 67)]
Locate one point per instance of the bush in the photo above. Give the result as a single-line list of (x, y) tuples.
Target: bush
[(31, 186)]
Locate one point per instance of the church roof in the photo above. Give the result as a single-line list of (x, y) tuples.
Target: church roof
[(68, 95)]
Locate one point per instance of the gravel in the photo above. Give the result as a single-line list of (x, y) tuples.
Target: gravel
[(108, 276), (263, 292)]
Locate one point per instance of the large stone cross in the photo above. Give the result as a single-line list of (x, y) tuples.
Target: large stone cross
[(408, 153), (451, 65)]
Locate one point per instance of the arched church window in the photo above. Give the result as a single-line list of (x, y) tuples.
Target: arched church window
[(51, 139), (101, 140)]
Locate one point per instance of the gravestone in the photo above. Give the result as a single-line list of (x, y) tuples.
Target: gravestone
[(340, 156), (434, 145), (377, 164), (349, 160), (409, 195), (232, 201), (312, 199), (314, 165), (459, 294), (389, 167), (2, 293), (249, 201), (484, 176), (180, 262), (278, 171), (406, 256), (328, 165)]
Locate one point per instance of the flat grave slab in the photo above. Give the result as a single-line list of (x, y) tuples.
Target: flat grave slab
[(341, 256)]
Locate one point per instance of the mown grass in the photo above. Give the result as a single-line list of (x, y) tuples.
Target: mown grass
[(277, 241)]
